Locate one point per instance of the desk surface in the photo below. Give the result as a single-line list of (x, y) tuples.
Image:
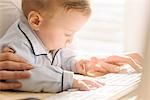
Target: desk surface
[(42, 96), (22, 95)]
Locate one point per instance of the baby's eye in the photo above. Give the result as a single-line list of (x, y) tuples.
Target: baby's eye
[(67, 34)]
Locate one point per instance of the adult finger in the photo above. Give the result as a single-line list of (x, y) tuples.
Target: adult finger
[(98, 63), (7, 49), (111, 68), (11, 65), (94, 59), (11, 57), (137, 57), (6, 75), (99, 68), (125, 60), (106, 68), (8, 86)]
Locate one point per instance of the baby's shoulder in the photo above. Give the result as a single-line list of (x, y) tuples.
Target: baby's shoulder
[(13, 34)]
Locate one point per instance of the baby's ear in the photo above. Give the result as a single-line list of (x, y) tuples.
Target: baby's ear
[(34, 20)]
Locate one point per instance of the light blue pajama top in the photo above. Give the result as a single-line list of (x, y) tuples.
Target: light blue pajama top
[(52, 72)]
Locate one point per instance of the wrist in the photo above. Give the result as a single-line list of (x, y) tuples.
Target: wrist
[(78, 67), (81, 67), (75, 84)]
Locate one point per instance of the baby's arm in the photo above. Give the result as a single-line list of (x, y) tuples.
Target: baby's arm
[(71, 62), (69, 59), (49, 78), (43, 78)]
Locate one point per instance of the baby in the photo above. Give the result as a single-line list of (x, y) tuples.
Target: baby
[(42, 35)]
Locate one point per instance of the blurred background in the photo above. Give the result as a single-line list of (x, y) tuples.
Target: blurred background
[(116, 26)]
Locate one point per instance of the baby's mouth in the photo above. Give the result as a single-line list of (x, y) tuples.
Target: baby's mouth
[(67, 44)]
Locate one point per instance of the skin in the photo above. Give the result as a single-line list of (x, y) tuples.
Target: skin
[(133, 59), (55, 34), (101, 66), (12, 67)]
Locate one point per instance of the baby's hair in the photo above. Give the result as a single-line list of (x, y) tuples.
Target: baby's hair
[(53, 5), (82, 5)]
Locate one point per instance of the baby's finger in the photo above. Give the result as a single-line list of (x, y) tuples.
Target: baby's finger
[(92, 83), (83, 86)]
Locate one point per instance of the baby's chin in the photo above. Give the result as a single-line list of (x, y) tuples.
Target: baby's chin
[(56, 46)]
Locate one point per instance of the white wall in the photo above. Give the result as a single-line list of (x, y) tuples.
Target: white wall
[(135, 24), (9, 12), (144, 93)]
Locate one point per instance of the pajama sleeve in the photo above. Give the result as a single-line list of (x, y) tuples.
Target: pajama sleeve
[(43, 78)]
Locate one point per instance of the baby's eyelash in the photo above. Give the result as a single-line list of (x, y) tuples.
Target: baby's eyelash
[(67, 34)]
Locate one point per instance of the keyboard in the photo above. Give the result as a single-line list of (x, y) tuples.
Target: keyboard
[(116, 86)]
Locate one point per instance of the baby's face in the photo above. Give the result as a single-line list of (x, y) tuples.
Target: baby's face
[(59, 31)]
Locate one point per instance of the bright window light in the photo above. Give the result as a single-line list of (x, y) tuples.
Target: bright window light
[(103, 33)]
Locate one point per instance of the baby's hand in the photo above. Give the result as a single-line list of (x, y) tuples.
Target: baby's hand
[(86, 84), (81, 66)]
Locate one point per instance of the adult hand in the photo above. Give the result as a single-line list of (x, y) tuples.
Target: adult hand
[(133, 59), (12, 67), (96, 67)]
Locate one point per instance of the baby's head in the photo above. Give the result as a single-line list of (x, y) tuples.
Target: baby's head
[(56, 21)]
